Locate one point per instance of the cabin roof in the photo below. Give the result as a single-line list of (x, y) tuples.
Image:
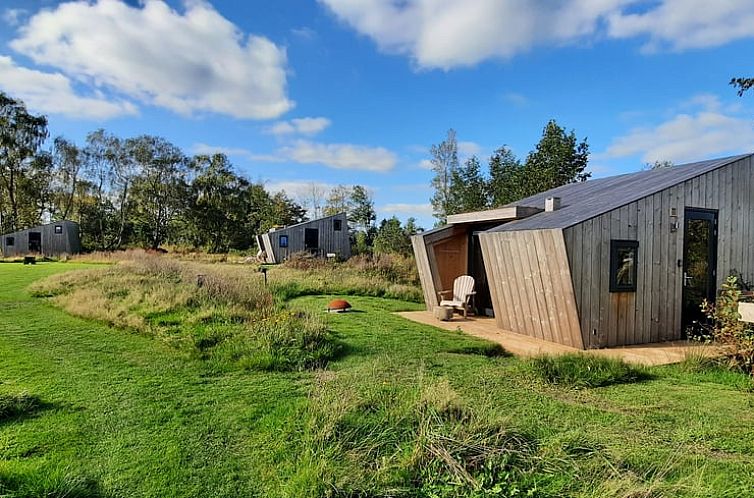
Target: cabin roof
[(585, 200), (336, 215)]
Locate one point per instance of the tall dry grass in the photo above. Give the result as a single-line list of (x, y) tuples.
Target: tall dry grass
[(223, 314)]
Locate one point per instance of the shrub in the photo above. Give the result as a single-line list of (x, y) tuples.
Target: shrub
[(725, 327), (584, 370)]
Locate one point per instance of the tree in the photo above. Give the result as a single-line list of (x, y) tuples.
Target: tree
[(160, 190), (444, 163), (68, 161), (505, 181), (312, 198), (338, 201), (469, 188), (218, 203), (557, 159), (392, 237), (21, 136), (742, 84), (361, 214)]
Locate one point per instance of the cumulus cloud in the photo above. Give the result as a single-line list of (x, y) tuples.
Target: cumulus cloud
[(407, 209), (446, 34), (685, 24), (53, 93), (299, 126), (341, 156), (188, 62), (207, 149), (706, 131), (298, 188), (13, 17)]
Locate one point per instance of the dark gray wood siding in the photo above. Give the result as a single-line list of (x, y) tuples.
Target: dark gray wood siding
[(53, 244), (330, 240), (653, 312)]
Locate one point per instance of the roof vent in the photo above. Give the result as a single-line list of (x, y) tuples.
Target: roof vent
[(552, 204)]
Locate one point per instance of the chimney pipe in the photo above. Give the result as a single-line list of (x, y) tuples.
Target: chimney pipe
[(552, 204)]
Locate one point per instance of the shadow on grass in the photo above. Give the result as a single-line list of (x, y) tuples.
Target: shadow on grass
[(582, 370), (491, 350), (16, 407)]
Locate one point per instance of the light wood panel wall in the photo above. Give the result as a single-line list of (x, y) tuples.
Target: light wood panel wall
[(441, 256), (425, 272), (530, 284), (653, 312)]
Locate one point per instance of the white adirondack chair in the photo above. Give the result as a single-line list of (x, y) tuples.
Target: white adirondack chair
[(463, 289)]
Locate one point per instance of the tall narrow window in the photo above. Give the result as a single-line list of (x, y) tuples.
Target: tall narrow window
[(283, 241), (337, 225), (624, 255)]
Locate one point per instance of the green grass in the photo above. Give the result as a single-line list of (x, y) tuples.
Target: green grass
[(406, 410), (578, 370)]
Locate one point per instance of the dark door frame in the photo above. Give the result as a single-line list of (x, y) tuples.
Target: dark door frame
[(309, 235), (691, 213)]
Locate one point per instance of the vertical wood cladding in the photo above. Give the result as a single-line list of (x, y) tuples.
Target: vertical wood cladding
[(57, 239), (653, 312), (329, 240)]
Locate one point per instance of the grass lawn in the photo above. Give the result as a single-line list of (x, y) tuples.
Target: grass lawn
[(108, 412)]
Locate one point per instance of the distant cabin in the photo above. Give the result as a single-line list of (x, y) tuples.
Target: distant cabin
[(320, 237), (608, 262), (51, 240)]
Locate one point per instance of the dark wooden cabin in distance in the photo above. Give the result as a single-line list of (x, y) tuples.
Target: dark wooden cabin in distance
[(608, 262), (52, 240), (320, 237)]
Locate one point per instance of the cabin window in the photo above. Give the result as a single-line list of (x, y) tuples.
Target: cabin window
[(283, 240), (624, 255), (10, 241), (58, 229), (337, 225)]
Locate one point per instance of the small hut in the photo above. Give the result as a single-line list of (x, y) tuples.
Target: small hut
[(320, 237), (52, 240)]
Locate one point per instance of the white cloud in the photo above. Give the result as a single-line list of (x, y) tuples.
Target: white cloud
[(13, 17), (706, 131), (467, 149), (207, 149), (341, 156), (425, 164), (445, 34), (300, 126), (194, 61), (298, 188), (53, 93), (516, 99), (415, 210), (685, 24)]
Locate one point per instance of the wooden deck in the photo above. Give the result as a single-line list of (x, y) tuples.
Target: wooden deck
[(658, 353)]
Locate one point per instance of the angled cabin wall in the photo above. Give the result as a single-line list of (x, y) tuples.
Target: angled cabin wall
[(653, 312), (530, 284), (441, 256)]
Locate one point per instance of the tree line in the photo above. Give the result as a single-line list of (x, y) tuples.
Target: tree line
[(559, 158), (145, 191)]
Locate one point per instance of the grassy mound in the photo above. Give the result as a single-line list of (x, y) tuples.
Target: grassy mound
[(222, 314), (582, 370)]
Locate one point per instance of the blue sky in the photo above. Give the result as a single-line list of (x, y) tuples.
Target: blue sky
[(355, 91)]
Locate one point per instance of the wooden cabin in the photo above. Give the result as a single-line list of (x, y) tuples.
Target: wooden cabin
[(607, 262), (320, 237), (51, 240)]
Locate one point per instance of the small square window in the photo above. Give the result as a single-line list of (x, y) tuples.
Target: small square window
[(58, 229), (624, 256), (337, 225), (283, 240), (10, 241)]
